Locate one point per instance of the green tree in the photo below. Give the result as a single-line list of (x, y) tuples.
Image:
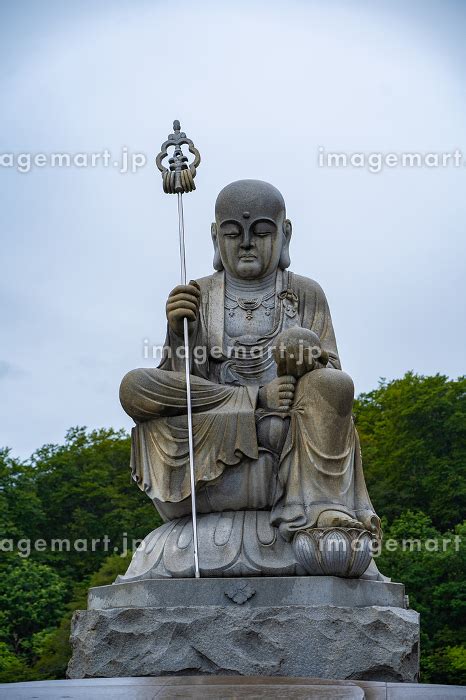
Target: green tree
[(13, 668), (20, 505), (432, 565), (85, 492), (53, 649), (413, 439), (72, 492), (31, 598)]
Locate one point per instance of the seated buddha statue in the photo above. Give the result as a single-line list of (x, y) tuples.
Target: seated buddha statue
[(276, 450)]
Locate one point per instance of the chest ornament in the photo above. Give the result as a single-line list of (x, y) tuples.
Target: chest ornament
[(290, 302), (249, 305)]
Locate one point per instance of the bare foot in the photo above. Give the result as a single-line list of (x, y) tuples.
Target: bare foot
[(335, 518)]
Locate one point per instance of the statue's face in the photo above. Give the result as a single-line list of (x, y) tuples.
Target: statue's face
[(249, 222), (250, 250)]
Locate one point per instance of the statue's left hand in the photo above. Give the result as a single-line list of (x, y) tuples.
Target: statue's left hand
[(278, 395)]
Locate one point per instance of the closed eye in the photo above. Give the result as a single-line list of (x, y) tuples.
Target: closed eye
[(264, 228), (230, 229)]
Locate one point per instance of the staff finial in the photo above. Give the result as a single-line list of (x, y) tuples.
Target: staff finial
[(178, 178)]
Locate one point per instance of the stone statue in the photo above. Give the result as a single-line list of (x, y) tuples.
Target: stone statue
[(284, 520), (277, 456)]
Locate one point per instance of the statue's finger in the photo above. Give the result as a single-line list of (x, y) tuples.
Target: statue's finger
[(183, 313), (194, 289), (186, 289), (184, 299), (182, 305), (289, 379), (287, 387), (182, 296), (287, 395)]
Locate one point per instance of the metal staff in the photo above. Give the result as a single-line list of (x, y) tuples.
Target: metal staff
[(177, 179)]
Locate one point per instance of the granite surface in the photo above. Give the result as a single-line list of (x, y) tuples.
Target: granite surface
[(256, 592), (373, 643)]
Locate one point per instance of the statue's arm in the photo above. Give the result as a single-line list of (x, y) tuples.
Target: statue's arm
[(186, 302)]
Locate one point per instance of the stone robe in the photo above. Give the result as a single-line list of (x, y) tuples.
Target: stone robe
[(260, 475)]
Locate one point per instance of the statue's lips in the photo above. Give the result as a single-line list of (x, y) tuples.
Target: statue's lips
[(248, 257)]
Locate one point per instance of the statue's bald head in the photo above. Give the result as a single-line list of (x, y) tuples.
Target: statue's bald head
[(255, 198), (250, 215)]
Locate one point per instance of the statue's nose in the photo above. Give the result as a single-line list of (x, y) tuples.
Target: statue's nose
[(246, 242)]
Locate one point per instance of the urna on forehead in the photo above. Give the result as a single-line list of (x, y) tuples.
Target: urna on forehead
[(249, 199)]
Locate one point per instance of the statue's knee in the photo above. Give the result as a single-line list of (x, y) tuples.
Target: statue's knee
[(332, 385), (128, 390)]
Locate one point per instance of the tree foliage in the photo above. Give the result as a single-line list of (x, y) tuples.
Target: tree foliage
[(432, 566), (31, 599), (70, 493), (413, 438)]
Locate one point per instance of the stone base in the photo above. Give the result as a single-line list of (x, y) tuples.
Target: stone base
[(262, 591), (291, 627)]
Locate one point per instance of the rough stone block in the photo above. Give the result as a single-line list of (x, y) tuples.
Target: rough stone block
[(372, 643)]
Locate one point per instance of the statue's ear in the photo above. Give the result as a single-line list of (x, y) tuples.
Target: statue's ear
[(218, 265), (285, 254)]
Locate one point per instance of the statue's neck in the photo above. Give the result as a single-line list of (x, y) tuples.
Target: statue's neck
[(240, 286)]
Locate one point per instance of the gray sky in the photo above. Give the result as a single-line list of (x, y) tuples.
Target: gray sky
[(89, 254)]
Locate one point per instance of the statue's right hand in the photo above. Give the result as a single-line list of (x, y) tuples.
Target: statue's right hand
[(183, 302)]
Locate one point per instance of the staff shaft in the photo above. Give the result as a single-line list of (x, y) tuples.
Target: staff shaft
[(188, 389)]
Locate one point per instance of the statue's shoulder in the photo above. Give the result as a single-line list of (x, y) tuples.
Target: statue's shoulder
[(208, 281), (307, 286)]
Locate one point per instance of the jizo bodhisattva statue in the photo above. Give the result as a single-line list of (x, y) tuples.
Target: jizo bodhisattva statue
[(245, 443), (280, 488)]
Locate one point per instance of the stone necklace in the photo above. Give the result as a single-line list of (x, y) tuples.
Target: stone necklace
[(233, 302), (249, 297)]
